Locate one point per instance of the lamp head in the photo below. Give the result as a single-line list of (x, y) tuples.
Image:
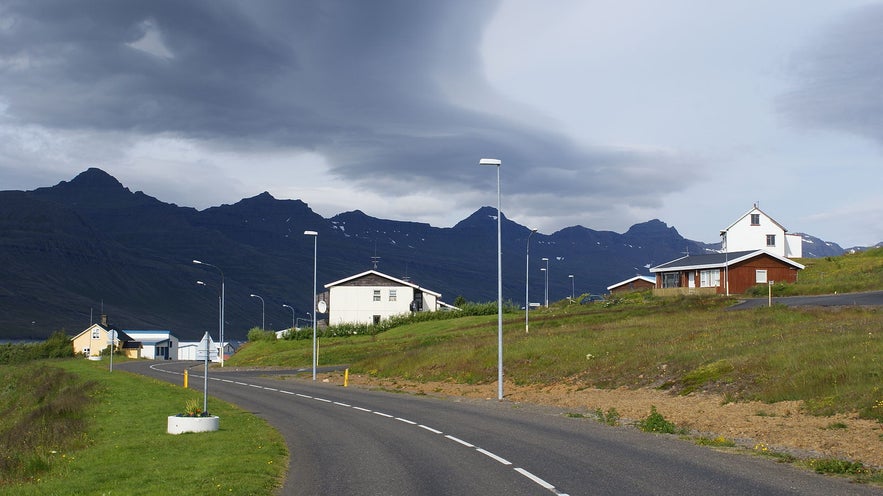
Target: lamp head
[(311, 233), (490, 161)]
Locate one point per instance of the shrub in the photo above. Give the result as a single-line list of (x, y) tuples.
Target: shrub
[(255, 334), (655, 422)]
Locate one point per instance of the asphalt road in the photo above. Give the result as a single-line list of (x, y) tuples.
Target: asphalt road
[(348, 441), (867, 298)]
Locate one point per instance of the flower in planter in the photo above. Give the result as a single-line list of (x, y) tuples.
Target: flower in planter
[(192, 409)]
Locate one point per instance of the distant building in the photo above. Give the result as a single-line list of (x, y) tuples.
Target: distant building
[(755, 230), (637, 283), (156, 344), (723, 273), (371, 296), (96, 338)]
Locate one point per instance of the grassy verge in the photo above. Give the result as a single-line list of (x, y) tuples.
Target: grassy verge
[(830, 359), (113, 437)]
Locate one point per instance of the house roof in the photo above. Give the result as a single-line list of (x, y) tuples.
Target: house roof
[(385, 276), (628, 281), (121, 335), (718, 260), (753, 210)]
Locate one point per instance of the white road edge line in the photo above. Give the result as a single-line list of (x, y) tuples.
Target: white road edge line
[(430, 429), (342, 404), (383, 414), (322, 400), (495, 457), (458, 440), (406, 421), (361, 409), (534, 478), (304, 396)]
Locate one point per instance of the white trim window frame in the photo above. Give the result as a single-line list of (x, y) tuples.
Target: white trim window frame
[(760, 276), (710, 278)]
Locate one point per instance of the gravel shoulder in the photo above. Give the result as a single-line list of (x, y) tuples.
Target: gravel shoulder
[(778, 427)]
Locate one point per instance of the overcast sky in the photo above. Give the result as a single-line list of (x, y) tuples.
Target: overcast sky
[(604, 113)]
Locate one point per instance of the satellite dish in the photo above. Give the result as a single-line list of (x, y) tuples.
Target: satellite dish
[(321, 307)]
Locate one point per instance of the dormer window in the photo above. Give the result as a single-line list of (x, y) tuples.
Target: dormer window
[(755, 219)]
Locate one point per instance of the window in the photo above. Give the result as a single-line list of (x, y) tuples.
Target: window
[(96, 334), (670, 280), (760, 276), (771, 240), (392, 295), (710, 278), (376, 295), (755, 219)]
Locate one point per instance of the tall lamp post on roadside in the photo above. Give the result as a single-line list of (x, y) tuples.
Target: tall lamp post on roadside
[(315, 236), (572, 293), (526, 285), (546, 270), (493, 162), (292, 315), (726, 262), (263, 308), (221, 325)]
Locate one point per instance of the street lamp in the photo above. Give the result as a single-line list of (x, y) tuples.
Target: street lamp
[(526, 285), (571, 288), (221, 324), (315, 236), (263, 313), (497, 163), (292, 315), (726, 262), (546, 270)]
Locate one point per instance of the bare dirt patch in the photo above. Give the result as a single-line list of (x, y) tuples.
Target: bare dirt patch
[(778, 427)]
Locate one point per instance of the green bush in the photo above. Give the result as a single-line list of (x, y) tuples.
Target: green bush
[(58, 345), (655, 422), (256, 334)]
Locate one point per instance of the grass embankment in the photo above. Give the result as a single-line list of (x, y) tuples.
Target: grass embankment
[(71, 427), (850, 273), (830, 359)]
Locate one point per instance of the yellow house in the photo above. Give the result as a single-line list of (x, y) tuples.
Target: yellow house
[(95, 339)]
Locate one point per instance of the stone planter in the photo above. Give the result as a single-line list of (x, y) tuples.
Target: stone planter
[(179, 425)]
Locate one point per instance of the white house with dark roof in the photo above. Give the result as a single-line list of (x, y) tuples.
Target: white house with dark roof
[(371, 296), (755, 230), (156, 344)]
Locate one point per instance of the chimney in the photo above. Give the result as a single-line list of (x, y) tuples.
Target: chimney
[(104, 321)]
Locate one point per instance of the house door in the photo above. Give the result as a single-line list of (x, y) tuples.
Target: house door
[(691, 279)]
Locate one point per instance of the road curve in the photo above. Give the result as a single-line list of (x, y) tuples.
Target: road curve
[(348, 441)]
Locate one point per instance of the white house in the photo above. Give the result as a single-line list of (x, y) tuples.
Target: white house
[(156, 345), (758, 231), (372, 296)]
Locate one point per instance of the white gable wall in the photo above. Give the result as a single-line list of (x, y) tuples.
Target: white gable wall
[(744, 235), (355, 304)]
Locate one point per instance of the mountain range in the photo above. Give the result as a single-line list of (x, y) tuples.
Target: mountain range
[(90, 246)]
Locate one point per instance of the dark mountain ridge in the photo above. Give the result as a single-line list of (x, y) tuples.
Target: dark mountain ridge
[(70, 251)]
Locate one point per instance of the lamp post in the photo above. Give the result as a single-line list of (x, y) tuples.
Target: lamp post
[(572, 293), (219, 306), (493, 162), (315, 236), (526, 285), (292, 315), (726, 262), (546, 270), (262, 308), (221, 324)]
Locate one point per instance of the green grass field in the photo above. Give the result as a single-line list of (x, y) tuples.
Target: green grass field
[(70, 427), (829, 358)]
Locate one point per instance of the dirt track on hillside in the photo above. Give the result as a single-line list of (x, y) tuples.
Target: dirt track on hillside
[(778, 427)]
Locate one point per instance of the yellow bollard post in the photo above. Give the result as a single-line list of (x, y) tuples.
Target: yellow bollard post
[(185, 378), (346, 377)]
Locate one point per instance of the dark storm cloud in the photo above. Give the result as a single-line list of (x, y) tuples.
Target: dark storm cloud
[(365, 84), (839, 77)]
